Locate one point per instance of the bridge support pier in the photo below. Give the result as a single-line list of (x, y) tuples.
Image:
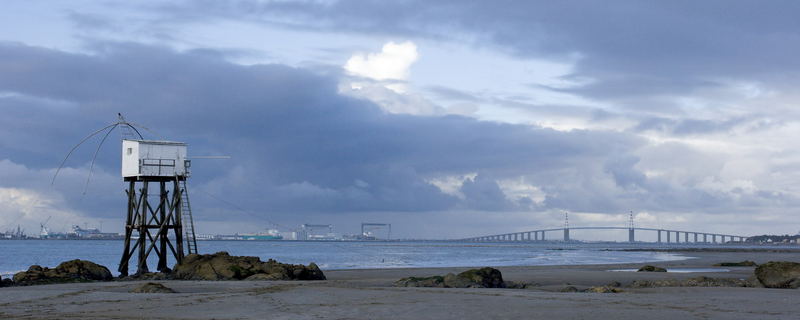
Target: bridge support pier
[(659, 235), (686, 237), (566, 234), (631, 236), (669, 235), (695, 237)]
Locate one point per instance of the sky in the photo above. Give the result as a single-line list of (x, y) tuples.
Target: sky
[(446, 119)]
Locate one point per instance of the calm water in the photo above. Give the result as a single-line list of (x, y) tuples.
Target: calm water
[(17, 255)]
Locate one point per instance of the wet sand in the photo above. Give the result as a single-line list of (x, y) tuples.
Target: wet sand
[(368, 294)]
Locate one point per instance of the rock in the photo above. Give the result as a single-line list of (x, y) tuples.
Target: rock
[(753, 282), (614, 284), (691, 282), (451, 280), (218, 266), (5, 282), (148, 276), (434, 281), (522, 285), (655, 283), (649, 268), (702, 281), (603, 289), (746, 263), (152, 287), (68, 271), (476, 278), (266, 277), (568, 289), (473, 278), (222, 266), (85, 270), (779, 274)]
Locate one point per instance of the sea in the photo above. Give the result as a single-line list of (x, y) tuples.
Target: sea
[(18, 255)]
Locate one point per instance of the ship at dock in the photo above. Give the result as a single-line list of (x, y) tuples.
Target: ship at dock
[(271, 234)]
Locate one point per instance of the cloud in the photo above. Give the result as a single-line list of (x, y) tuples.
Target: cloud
[(642, 58), (28, 209), (392, 63), (27, 198), (269, 117), (302, 149), (382, 78)]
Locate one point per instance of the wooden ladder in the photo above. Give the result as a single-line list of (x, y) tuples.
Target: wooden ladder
[(188, 221)]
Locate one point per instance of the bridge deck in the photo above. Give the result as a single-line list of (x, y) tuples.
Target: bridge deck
[(534, 235)]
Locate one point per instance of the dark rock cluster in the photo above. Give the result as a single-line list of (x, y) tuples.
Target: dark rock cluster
[(68, 271), (5, 282), (649, 268), (779, 274), (218, 266), (474, 278), (746, 263), (222, 266), (152, 287), (693, 282), (603, 289)]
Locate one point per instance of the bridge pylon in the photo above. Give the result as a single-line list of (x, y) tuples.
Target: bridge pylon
[(631, 237)]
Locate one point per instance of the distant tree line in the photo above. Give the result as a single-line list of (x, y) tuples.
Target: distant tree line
[(774, 238)]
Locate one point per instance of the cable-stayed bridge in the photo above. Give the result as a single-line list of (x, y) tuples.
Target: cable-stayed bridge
[(663, 235)]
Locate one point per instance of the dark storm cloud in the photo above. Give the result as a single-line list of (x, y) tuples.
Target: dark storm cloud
[(297, 145), (631, 47)]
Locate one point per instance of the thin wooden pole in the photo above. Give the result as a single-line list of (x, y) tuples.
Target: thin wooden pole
[(126, 254), (143, 213), (162, 235)]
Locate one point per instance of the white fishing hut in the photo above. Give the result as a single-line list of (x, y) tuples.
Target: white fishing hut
[(154, 159)]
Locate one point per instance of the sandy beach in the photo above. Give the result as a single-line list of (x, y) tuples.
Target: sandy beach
[(369, 294)]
